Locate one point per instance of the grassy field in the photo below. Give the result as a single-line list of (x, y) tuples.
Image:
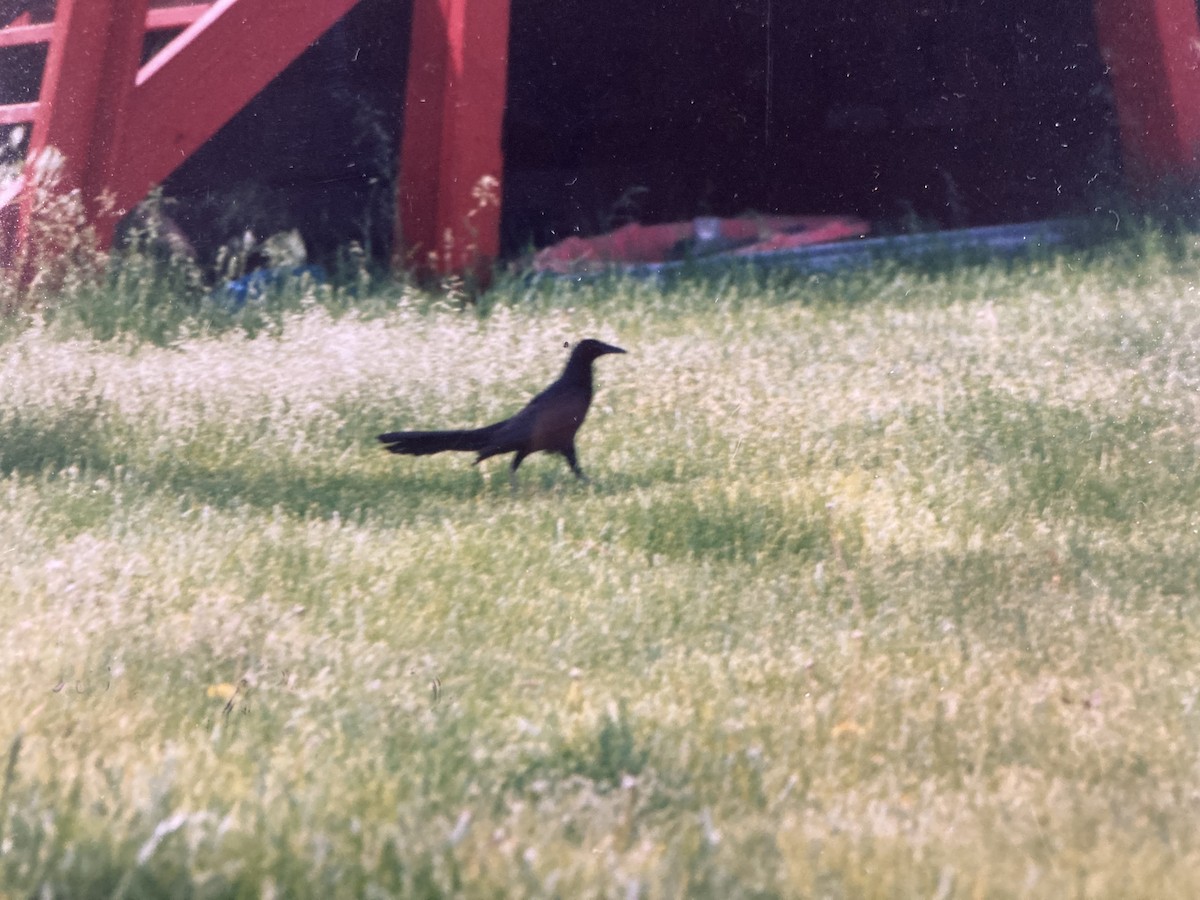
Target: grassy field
[(885, 585)]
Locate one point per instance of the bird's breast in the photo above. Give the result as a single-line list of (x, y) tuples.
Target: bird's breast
[(555, 427)]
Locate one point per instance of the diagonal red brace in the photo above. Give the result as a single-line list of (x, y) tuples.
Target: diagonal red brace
[(120, 130)]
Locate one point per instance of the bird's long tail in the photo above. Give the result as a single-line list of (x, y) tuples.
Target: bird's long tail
[(422, 443)]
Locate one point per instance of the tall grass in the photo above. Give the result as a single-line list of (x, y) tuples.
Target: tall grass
[(885, 585)]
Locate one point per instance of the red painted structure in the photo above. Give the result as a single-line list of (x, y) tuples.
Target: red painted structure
[(1152, 49), (123, 125), (448, 197)]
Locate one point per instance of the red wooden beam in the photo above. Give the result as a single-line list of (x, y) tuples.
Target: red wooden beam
[(123, 133), (17, 113), (164, 18), (1152, 49), (203, 77), (23, 34), (88, 74), (120, 130), (93, 54), (454, 111)]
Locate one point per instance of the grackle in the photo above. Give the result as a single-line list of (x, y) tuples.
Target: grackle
[(548, 422)]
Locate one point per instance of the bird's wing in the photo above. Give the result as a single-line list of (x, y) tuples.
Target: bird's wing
[(547, 422)]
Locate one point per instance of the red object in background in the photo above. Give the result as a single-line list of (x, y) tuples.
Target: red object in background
[(90, 68), (121, 128), (705, 236), (118, 128), (1152, 48), (451, 162)]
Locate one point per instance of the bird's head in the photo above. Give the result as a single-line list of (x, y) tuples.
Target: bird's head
[(590, 348)]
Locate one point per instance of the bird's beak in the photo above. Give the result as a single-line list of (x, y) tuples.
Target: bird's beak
[(611, 348)]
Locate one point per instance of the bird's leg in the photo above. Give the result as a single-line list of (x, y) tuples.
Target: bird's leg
[(569, 453), (512, 470)]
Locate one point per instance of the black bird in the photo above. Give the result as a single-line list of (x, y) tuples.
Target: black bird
[(548, 422)]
